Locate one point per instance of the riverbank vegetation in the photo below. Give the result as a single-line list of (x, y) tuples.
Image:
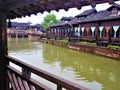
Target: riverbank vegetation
[(94, 44), (114, 47), (52, 40), (88, 43), (64, 42), (112, 51)]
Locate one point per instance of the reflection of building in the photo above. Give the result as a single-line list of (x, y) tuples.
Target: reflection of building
[(86, 67), (24, 30), (102, 27)]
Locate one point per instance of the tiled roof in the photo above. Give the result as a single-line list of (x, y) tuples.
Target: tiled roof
[(20, 24), (73, 21), (98, 16), (114, 6), (101, 15), (25, 25), (86, 13), (92, 16), (66, 18), (58, 24)]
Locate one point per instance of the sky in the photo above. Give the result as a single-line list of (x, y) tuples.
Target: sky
[(37, 19)]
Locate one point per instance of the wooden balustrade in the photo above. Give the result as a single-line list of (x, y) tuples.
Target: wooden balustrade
[(24, 81)]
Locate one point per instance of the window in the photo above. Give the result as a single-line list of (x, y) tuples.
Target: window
[(115, 28), (101, 29), (93, 29), (82, 29)]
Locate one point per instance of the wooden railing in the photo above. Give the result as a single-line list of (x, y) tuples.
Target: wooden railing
[(24, 81)]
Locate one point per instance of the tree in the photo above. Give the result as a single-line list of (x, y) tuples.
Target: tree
[(49, 20)]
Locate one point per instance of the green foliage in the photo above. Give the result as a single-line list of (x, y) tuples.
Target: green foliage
[(52, 40), (64, 42), (88, 43), (44, 38), (115, 47), (49, 20)]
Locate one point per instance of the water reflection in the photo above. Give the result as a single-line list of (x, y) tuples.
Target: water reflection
[(87, 67), (21, 45), (95, 72)]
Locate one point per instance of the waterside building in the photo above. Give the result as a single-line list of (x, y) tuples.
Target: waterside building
[(102, 27)]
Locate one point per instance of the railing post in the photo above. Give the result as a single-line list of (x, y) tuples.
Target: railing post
[(26, 73), (59, 87), (4, 82)]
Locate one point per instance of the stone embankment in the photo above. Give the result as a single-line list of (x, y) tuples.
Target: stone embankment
[(90, 49), (96, 50)]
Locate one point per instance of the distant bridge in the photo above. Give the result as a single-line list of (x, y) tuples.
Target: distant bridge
[(17, 33)]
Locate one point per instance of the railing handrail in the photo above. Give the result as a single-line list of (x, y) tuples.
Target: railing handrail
[(46, 75), (31, 81)]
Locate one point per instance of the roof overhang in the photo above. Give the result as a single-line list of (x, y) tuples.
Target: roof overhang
[(19, 8)]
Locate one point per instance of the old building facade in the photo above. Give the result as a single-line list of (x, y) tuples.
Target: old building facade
[(102, 27)]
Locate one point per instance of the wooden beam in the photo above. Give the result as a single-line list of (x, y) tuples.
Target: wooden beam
[(1, 1), (45, 5), (3, 51), (111, 1), (13, 4), (16, 12), (76, 3)]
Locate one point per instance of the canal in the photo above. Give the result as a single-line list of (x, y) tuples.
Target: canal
[(92, 71)]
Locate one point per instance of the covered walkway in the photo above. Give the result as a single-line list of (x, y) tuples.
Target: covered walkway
[(10, 9)]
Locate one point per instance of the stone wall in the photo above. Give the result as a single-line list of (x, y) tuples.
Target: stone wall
[(96, 50), (90, 49), (107, 52)]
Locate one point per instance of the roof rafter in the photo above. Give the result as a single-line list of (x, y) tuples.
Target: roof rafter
[(16, 8), (18, 3), (17, 13)]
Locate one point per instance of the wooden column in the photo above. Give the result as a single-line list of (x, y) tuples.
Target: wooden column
[(97, 31), (119, 33), (3, 52)]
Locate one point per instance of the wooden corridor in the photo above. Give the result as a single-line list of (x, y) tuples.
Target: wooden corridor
[(11, 9)]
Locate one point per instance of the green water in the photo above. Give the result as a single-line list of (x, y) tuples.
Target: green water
[(92, 71)]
